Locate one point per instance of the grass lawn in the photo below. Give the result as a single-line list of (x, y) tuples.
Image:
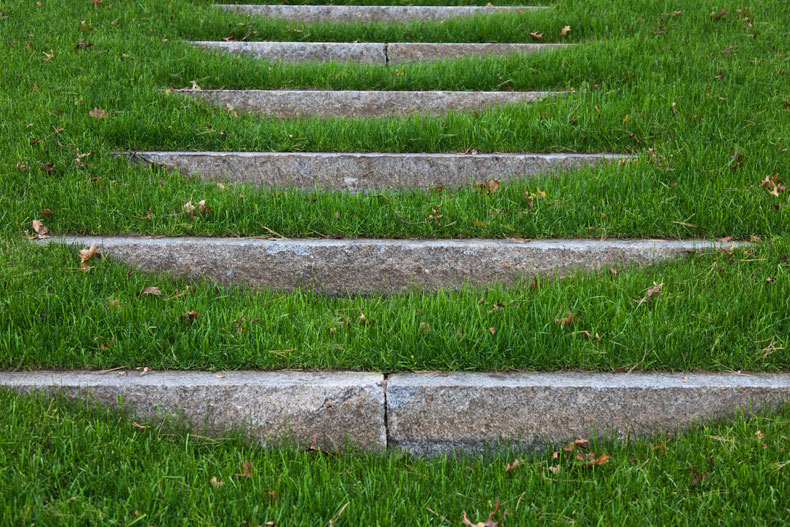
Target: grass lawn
[(64, 465), (701, 100)]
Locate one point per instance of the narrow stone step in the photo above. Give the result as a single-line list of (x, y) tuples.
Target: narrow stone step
[(434, 413), (364, 171), (368, 52), (351, 103), (369, 13), (270, 406), (422, 413), (370, 266)]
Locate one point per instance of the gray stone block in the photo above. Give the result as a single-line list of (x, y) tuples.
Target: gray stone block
[(423, 51), (360, 52), (369, 52), (350, 103), (436, 413), (369, 266), (269, 406), (367, 14), (364, 171)]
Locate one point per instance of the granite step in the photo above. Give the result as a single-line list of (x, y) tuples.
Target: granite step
[(352, 103), (370, 13), (421, 413), (364, 171), (342, 266), (369, 52)]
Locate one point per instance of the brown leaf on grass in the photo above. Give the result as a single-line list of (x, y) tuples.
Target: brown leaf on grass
[(48, 56), (190, 316), (760, 435), (86, 255), (21, 166), (590, 336), (756, 239), (40, 229), (113, 302), (103, 346), (490, 187), (492, 330), (151, 290), (490, 521), (246, 470), (653, 291), (139, 426), (365, 320), (773, 185), (536, 35), (598, 461), (514, 464), (532, 197), (576, 443), (98, 113), (565, 30), (555, 469), (566, 320), (721, 14), (188, 209), (216, 482), (698, 476)]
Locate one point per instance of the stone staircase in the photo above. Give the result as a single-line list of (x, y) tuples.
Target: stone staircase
[(422, 412)]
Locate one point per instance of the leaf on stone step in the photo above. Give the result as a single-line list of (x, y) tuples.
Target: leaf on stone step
[(98, 113), (86, 255), (565, 30), (151, 290)]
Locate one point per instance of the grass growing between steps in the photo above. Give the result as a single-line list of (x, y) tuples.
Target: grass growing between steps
[(66, 465), (702, 100), (723, 311)]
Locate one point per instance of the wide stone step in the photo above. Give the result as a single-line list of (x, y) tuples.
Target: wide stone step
[(369, 52), (422, 413), (352, 103), (384, 266), (369, 13), (364, 171)]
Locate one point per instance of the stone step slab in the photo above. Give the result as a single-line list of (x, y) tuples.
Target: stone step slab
[(439, 413), (269, 406), (364, 171), (367, 14), (369, 52), (352, 103), (377, 266), (421, 413)]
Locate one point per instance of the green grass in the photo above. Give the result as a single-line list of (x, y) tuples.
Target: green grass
[(642, 79), (718, 311), (66, 465)]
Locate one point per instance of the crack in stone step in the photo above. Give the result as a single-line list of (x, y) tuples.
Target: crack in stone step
[(422, 413), (367, 14), (370, 52), (354, 103), (378, 266), (365, 171)]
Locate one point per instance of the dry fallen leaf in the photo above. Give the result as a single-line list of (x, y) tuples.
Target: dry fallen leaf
[(536, 35), (215, 482), (566, 320), (721, 14), (139, 426), (40, 229), (490, 521), (655, 290), (576, 443), (98, 113), (188, 209), (152, 290), (113, 302), (190, 316), (514, 464), (87, 254), (246, 470), (565, 30), (598, 461)]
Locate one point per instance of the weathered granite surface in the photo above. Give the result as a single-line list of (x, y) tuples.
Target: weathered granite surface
[(364, 171), (367, 266), (270, 406), (359, 52), (351, 103), (358, 13), (434, 413), (369, 52), (425, 51)]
